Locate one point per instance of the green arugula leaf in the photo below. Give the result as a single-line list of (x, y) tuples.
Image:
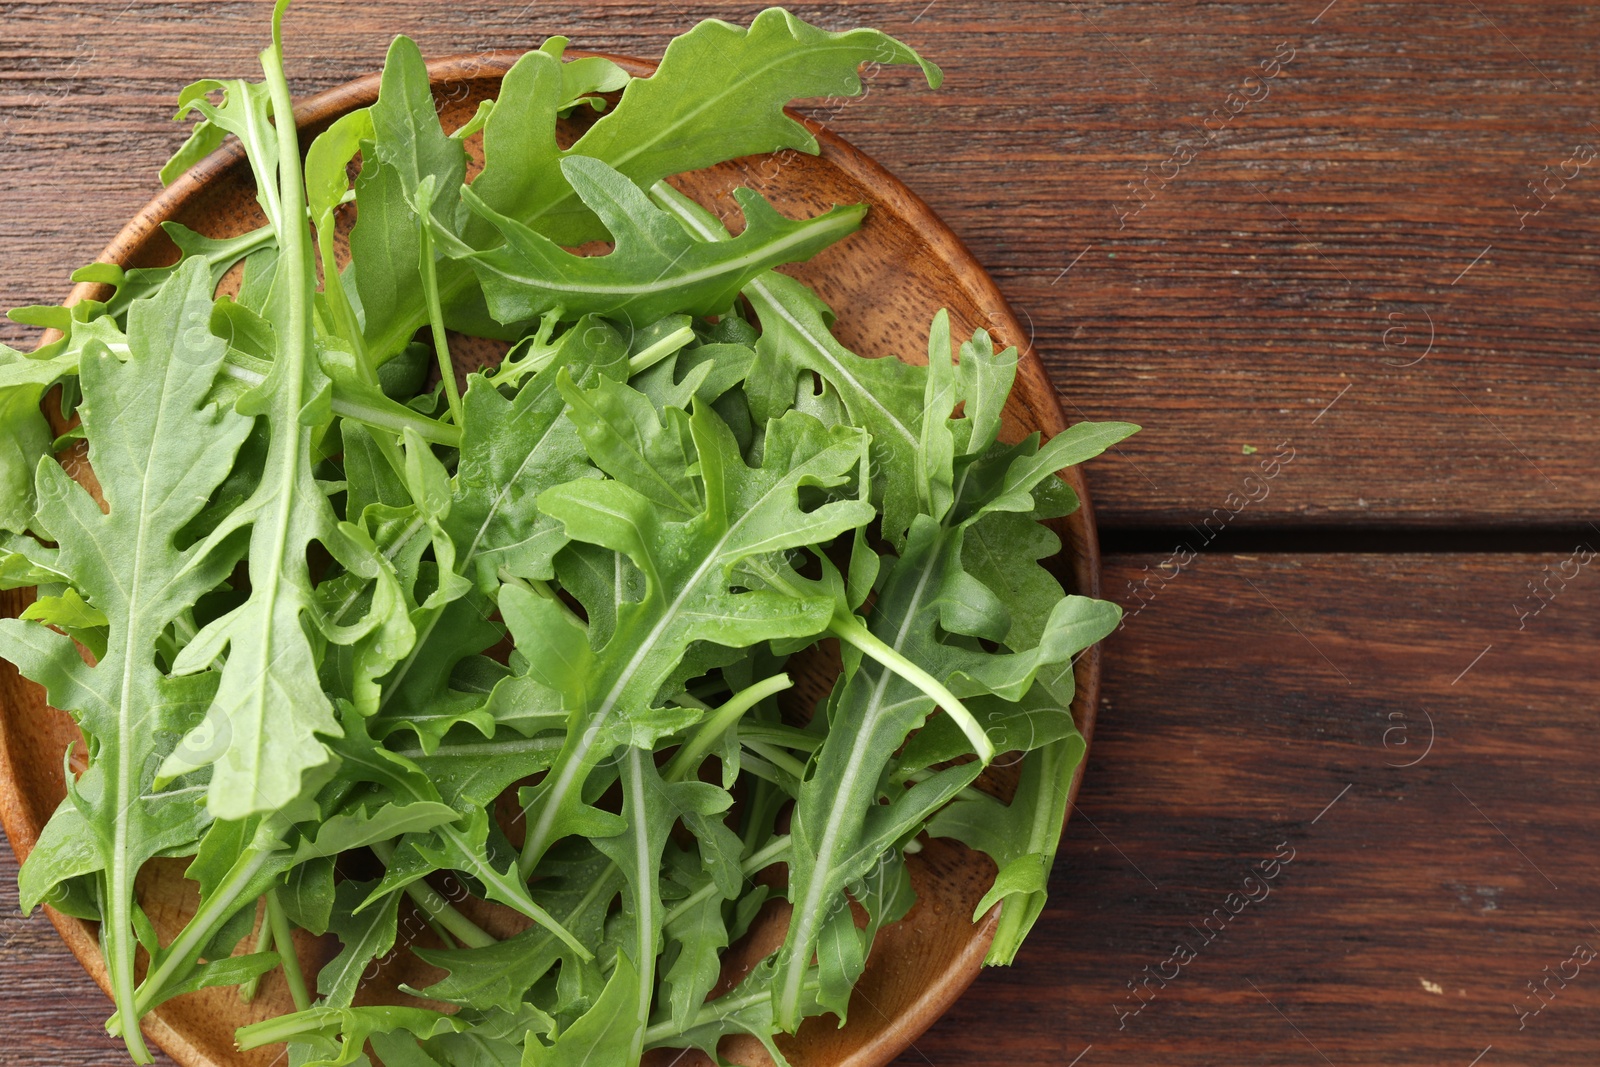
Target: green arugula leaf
[(655, 269), (882, 395), (270, 703), (1021, 837), (513, 450), (650, 807), (885, 894), (1003, 549), (25, 436), (407, 145), (365, 936), (25, 562), (219, 254), (158, 452), (73, 616), (239, 112), (426, 703), (239, 861), (466, 842), (928, 611), (606, 1034), (676, 120), (308, 896), (699, 931), (747, 1009), (687, 567), (337, 1035), (327, 184), (579, 893)]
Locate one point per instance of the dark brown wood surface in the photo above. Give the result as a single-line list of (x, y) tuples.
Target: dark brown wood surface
[(1298, 256), (1258, 701), (1302, 258)]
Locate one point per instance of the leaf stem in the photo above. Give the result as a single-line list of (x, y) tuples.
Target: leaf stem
[(778, 758), (668, 345), (436, 907), (430, 288), (966, 793), (852, 630), (283, 937), (776, 850), (786, 737), (338, 300), (687, 760), (717, 1010), (214, 911), (396, 418), (247, 990), (849, 628)]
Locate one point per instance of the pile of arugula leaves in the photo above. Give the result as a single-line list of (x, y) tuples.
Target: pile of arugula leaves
[(316, 619)]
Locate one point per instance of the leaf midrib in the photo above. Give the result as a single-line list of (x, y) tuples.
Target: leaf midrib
[(805, 912), (810, 229)]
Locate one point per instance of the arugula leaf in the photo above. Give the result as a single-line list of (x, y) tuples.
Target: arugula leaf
[(25, 562), (269, 702), (650, 807), (308, 896), (239, 861), (407, 146), (676, 120), (366, 936), (882, 395), (158, 452), (513, 450), (73, 616), (747, 1009), (655, 269), (326, 166), (426, 703), (606, 1034), (25, 436), (699, 931), (466, 842), (579, 892), (338, 1034), (239, 112), (1022, 837), (687, 597), (218, 253), (928, 610), (885, 894)]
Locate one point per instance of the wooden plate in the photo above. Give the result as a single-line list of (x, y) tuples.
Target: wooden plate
[(886, 283)]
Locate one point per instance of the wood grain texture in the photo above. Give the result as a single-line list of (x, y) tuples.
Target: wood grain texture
[(1239, 705), (1224, 732), (1322, 226), (1370, 199)]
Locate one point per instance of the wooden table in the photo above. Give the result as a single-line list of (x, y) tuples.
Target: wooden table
[(1343, 259)]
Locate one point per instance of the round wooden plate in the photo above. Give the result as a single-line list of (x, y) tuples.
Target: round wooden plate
[(886, 282)]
